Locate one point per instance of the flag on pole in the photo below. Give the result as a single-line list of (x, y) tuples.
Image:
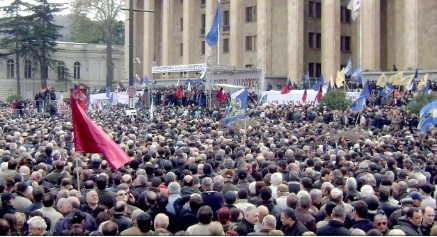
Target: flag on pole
[(286, 89), (382, 80), (213, 35), (152, 108), (428, 119), (340, 79), (319, 83), (348, 68), (89, 138), (423, 83), (331, 81), (354, 6), (108, 92), (387, 90), (304, 96), (329, 86), (180, 92), (319, 95), (358, 104), (357, 75), (189, 86), (237, 109), (366, 92), (396, 79), (426, 89)]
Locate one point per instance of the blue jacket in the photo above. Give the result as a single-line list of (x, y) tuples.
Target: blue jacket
[(65, 223)]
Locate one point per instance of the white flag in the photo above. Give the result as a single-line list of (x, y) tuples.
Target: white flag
[(189, 86), (354, 6)]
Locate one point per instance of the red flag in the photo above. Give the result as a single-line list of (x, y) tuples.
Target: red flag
[(89, 138), (319, 95), (286, 89), (221, 96), (396, 93), (180, 92), (304, 96)]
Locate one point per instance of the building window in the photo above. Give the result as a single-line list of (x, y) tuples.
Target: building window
[(225, 45), (77, 71), (181, 49), (202, 48), (202, 2), (315, 69), (27, 69), (314, 40), (248, 66), (345, 43), (345, 15), (61, 70), (315, 9), (226, 21), (251, 14), (10, 66), (250, 43), (182, 24), (203, 22)]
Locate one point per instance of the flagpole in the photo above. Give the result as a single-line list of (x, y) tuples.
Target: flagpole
[(218, 41)]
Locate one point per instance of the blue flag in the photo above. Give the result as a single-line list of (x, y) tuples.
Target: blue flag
[(329, 87), (108, 92), (264, 99), (319, 83), (358, 103), (348, 68), (426, 89), (357, 75), (213, 35), (387, 90), (237, 109), (366, 90), (428, 119), (189, 82), (428, 108)]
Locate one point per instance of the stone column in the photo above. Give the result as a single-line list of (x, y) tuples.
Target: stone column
[(210, 9), (411, 45), (149, 39), (295, 40), (264, 37), (167, 34), (330, 38), (371, 35), (236, 38), (126, 45), (188, 25)]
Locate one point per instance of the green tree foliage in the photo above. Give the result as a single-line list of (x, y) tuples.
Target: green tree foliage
[(335, 100), (43, 36), (105, 12), (419, 102), (85, 30), (14, 31)]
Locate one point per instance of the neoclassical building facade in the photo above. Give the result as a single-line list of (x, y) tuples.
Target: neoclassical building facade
[(286, 38), (85, 63)]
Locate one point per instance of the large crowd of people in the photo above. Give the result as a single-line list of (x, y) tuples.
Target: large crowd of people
[(293, 170)]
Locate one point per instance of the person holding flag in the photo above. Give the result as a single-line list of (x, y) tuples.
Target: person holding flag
[(221, 96)]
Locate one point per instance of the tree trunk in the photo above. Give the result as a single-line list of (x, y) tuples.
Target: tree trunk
[(17, 69), (43, 69)]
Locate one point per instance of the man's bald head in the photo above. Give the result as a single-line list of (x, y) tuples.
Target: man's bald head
[(188, 180), (263, 211), (161, 221)]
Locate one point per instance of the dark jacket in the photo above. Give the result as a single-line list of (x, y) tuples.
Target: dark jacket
[(122, 222), (333, 228), (407, 227), (53, 176), (6, 209), (188, 190), (274, 209), (387, 207), (185, 217), (297, 229), (365, 225), (65, 223), (244, 228), (306, 218), (261, 232), (213, 199), (106, 198), (32, 207)]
